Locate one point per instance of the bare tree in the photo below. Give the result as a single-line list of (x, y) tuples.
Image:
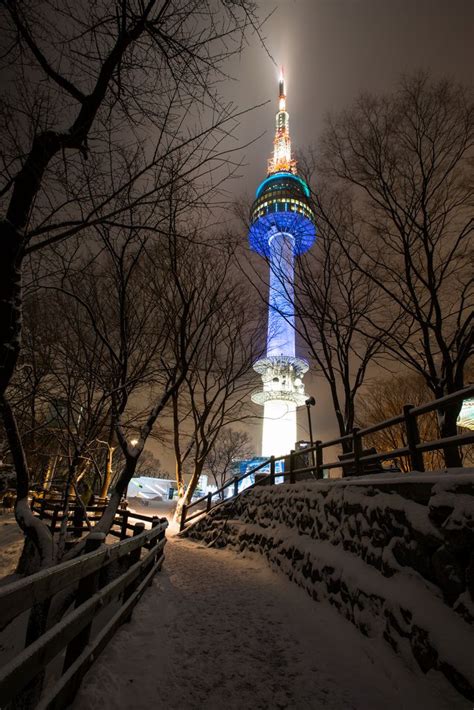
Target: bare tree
[(230, 446), (28, 388), (84, 81), (96, 123), (150, 466), (409, 157), (219, 378), (385, 398), (117, 340), (335, 303)]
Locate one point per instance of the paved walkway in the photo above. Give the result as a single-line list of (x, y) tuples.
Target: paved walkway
[(221, 631)]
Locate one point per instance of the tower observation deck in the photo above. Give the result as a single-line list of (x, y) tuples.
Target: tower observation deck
[(282, 226)]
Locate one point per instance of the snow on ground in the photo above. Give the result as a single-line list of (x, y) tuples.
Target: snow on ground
[(11, 537), (221, 630), (161, 509)]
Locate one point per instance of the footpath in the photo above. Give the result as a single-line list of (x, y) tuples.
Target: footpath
[(218, 630)]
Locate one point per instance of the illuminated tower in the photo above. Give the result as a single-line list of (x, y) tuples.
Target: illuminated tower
[(282, 227)]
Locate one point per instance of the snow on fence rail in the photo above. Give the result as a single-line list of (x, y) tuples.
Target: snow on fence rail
[(106, 581), (52, 511), (357, 463)]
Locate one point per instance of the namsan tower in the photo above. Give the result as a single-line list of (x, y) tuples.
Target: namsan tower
[(282, 226)]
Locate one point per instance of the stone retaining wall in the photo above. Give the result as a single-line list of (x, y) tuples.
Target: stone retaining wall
[(394, 566)]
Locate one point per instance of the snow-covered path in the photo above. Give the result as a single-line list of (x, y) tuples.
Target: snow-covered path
[(218, 630)]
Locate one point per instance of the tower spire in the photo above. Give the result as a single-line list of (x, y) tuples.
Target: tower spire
[(281, 160)]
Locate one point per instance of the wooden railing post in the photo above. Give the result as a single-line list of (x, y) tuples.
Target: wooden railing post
[(87, 587), (292, 466), (77, 521), (133, 557), (42, 508), (155, 521), (123, 527), (357, 450), (54, 519), (319, 459), (154, 524), (182, 521), (272, 470), (413, 438), (236, 485), (209, 502)]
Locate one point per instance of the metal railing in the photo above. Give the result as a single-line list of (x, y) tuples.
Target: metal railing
[(355, 463)]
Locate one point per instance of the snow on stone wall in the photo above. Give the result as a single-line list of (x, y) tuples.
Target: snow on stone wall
[(394, 566)]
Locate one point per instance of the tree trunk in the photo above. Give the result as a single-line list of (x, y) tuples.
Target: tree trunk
[(10, 302), (447, 417), (192, 485), (39, 551), (108, 472), (186, 497), (48, 477)]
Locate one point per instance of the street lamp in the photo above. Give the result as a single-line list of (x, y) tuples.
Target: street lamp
[(133, 442), (310, 402)]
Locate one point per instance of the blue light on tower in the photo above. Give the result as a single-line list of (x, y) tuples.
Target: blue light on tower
[(282, 227)]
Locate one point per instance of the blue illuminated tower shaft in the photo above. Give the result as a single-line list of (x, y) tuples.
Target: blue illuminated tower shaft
[(281, 311), (282, 227)]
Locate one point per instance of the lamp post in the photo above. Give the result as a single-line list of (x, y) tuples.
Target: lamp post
[(310, 402), (133, 442)]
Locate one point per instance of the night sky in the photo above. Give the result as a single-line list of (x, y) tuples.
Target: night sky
[(332, 50)]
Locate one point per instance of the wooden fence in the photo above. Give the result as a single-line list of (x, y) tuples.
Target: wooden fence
[(106, 581), (355, 463), (52, 511)]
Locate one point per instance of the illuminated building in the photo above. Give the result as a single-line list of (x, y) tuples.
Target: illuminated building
[(466, 415), (282, 227)]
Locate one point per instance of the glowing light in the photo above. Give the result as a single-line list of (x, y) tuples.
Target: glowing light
[(282, 227), (279, 428), (466, 415), (285, 175), (281, 159)]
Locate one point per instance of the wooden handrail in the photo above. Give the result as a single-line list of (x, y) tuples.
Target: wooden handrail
[(73, 632), (60, 695), (331, 442), (382, 425), (77, 525), (460, 440), (442, 401), (23, 594), (413, 450), (230, 482)]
